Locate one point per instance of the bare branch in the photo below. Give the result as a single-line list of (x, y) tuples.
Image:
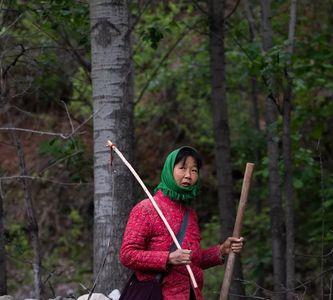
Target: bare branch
[(11, 25), (200, 8), (20, 177), (248, 297), (59, 160), (35, 131), (232, 11), (137, 19), (304, 284), (4, 74), (60, 135), (317, 256), (250, 20), (68, 115)]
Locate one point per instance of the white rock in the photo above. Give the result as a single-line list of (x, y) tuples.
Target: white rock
[(94, 296), (114, 295), (6, 297)]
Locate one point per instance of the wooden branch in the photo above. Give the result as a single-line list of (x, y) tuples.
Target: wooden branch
[(237, 229), (232, 11), (14, 62), (18, 177), (158, 210), (60, 135)]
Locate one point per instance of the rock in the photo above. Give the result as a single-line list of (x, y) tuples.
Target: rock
[(94, 296), (6, 297), (66, 290), (114, 295), (61, 298)]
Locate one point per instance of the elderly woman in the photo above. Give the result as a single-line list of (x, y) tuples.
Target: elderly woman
[(146, 243)]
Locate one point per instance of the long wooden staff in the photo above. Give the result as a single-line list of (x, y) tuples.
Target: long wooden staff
[(237, 230), (113, 147)]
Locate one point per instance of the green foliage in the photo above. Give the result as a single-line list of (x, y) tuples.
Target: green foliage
[(171, 58), (72, 248), (17, 241), (69, 154), (19, 253)]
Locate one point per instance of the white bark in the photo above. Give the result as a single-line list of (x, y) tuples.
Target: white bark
[(113, 98)]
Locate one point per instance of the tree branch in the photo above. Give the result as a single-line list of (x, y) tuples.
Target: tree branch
[(232, 11), (4, 74), (60, 135), (20, 177), (166, 55)]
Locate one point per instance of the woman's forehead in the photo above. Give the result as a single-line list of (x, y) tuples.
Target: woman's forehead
[(188, 160)]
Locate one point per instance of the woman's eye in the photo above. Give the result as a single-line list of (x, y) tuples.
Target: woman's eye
[(195, 171)]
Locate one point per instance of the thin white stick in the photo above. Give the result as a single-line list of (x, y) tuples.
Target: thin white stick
[(112, 146)]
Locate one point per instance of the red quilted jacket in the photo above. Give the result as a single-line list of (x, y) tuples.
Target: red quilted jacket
[(146, 244)]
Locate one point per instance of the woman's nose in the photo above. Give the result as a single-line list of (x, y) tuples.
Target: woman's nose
[(187, 174)]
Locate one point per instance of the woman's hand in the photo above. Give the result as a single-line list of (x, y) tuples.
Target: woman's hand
[(232, 244), (180, 257)]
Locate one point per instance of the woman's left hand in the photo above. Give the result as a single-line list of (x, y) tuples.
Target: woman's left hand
[(232, 244)]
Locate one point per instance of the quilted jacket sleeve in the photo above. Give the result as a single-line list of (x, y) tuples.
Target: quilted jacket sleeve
[(133, 252), (209, 257)]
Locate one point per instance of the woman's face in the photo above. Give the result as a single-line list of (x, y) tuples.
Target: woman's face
[(186, 172)]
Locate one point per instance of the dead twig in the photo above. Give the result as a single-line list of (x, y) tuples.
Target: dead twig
[(20, 177)]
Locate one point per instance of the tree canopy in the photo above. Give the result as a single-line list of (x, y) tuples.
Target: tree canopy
[(46, 103)]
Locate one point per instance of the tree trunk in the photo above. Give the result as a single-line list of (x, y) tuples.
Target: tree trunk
[(221, 131), (275, 201), (287, 158), (254, 99), (256, 182), (3, 278), (112, 81), (31, 215)]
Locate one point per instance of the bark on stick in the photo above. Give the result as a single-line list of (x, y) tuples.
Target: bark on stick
[(237, 229)]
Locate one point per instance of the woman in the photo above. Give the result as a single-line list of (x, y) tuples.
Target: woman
[(146, 242)]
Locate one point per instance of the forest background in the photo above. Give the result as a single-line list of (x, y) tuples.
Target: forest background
[(47, 143)]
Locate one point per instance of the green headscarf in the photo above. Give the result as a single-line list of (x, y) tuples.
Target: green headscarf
[(168, 185)]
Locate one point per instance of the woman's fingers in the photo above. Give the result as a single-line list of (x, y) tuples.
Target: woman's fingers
[(180, 257), (232, 244), (236, 244)]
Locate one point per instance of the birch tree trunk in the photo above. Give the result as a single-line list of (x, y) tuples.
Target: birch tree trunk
[(275, 200), (113, 116), (227, 207), (287, 158)]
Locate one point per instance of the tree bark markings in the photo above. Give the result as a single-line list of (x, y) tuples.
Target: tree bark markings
[(112, 91)]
